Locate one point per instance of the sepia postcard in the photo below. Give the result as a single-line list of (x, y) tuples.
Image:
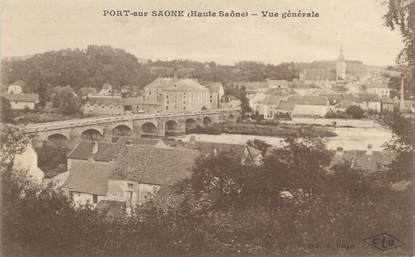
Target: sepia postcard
[(199, 128)]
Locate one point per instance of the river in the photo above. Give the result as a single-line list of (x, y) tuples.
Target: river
[(348, 138)]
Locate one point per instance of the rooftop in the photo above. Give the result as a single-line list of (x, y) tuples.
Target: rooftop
[(156, 166), (30, 98), (185, 85), (89, 177)]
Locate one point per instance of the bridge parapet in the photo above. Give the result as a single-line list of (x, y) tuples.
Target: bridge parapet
[(57, 125)]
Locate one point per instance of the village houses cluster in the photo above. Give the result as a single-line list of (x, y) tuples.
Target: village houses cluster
[(122, 172)]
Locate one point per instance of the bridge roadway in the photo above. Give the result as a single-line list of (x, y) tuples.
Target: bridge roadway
[(54, 125)]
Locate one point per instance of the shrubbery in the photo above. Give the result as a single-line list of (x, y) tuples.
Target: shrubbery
[(278, 208)]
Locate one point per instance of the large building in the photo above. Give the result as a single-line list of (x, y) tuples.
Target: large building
[(183, 95)]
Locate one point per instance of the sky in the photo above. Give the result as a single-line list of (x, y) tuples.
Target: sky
[(356, 26)]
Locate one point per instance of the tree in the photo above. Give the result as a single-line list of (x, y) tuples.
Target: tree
[(68, 101), (244, 101), (401, 15), (6, 110), (355, 112)]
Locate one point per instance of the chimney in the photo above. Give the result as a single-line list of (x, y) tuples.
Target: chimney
[(94, 147), (339, 151), (369, 150)]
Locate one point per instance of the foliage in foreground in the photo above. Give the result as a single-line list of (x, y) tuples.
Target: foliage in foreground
[(281, 207)]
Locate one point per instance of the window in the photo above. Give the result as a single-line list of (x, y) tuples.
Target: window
[(94, 198), (130, 185), (149, 92), (167, 107), (71, 195)]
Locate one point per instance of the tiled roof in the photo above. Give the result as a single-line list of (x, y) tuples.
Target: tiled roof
[(32, 98), (106, 151), (156, 166), (238, 150), (186, 85), (89, 177), (286, 105), (138, 141), (360, 98)]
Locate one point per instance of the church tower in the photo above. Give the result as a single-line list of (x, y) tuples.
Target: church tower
[(341, 67)]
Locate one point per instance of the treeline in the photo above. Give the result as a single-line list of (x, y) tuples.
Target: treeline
[(284, 207), (96, 65), (90, 67)]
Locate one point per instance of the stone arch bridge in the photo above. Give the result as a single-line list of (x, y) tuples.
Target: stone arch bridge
[(125, 125)]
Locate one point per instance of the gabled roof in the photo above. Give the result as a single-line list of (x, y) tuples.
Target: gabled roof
[(106, 151), (360, 159), (30, 98), (89, 177), (156, 166), (161, 82)]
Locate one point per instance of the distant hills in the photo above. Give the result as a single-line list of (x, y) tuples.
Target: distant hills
[(96, 65)]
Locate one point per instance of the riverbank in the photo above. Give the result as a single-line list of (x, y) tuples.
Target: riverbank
[(279, 130), (347, 138)]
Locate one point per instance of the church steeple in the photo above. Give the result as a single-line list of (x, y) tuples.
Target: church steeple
[(341, 66)]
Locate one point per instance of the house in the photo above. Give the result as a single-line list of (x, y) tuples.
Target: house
[(256, 99), (268, 107), (129, 175), (27, 161), (303, 106), (388, 105), (248, 154), (87, 182), (106, 90), (16, 87), (368, 102), (378, 85), (230, 101), (22, 101), (19, 100), (367, 160), (97, 106), (216, 92), (142, 170), (104, 151)]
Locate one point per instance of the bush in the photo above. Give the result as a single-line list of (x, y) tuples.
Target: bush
[(355, 112)]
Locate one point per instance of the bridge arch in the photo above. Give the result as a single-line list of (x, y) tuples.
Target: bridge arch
[(91, 134), (58, 139), (122, 130), (171, 125), (207, 121), (149, 127), (190, 124)]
